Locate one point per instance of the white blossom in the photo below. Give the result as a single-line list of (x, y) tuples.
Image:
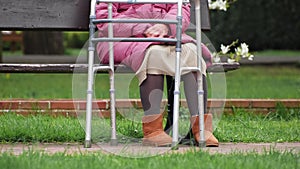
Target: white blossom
[(218, 4), (222, 5), (230, 60), (217, 59), (244, 50), (238, 50), (251, 57), (224, 48)]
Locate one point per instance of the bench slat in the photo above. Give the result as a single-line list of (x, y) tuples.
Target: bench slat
[(82, 68), (44, 15), (60, 15)]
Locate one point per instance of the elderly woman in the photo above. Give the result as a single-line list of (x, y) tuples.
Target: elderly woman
[(151, 61)]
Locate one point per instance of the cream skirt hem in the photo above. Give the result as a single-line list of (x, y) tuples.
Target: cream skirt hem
[(160, 59)]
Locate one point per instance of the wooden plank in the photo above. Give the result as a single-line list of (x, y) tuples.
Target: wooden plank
[(59, 15), (223, 67), (41, 14), (53, 68), (82, 68), (205, 17)]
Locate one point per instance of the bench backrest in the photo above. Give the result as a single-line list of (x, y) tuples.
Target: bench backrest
[(69, 15)]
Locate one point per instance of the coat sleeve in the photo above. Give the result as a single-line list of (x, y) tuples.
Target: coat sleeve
[(172, 14), (120, 29)]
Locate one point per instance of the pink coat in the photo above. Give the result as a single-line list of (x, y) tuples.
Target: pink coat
[(132, 53)]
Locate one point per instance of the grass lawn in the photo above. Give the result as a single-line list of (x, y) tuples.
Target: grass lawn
[(282, 53), (264, 82), (247, 82), (38, 160), (240, 127)]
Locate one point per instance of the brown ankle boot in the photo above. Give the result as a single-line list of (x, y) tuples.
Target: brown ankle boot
[(154, 134), (210, 139)]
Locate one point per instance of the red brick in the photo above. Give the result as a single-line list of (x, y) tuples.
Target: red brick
[(260, 103), (139, 104), (68, 107), (79, 104), (102, 104), (291, 103), (9, 105), (98, 104), (238, 103), (24, 104), (126, 103), (216, 103), (62, 104), (104, 114)]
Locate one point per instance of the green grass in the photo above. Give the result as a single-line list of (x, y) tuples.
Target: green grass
[(73, 52), (193, 159), (264, 82), (282, 53), (282, 126), (39, 128), (248, 82), (36, 86)]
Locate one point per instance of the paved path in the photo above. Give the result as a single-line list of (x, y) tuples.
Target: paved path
[(224, 148)]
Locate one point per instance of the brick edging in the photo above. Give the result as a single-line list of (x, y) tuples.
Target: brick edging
[(69, 107)]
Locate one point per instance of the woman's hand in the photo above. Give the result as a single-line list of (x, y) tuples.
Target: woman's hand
[(157, 31)]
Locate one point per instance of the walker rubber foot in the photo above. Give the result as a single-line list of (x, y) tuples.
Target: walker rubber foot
[(87, 144), (113, 142), (175, 146), (202, 144)]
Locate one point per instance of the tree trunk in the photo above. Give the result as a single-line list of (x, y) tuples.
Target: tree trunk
[(43, 42)]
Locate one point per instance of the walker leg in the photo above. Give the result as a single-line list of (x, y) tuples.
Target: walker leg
[(199, 74), (113, 140), (201, 109), (177, 78), (89, 100), (175, 134)]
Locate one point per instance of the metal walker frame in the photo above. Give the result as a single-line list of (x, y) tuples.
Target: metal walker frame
[(92, 68)]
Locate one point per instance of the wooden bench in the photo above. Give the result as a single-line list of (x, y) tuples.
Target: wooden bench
[(60, 15), (82, 68)]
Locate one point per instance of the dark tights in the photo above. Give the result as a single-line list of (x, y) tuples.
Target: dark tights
[(151, 93)]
